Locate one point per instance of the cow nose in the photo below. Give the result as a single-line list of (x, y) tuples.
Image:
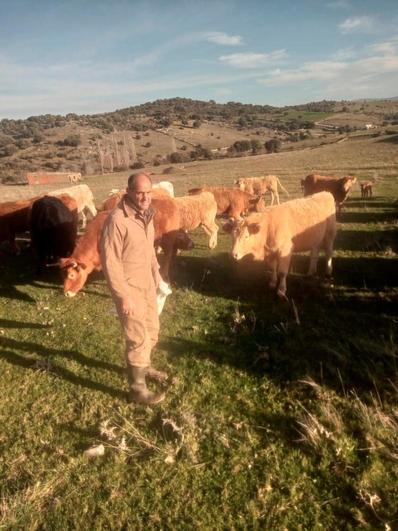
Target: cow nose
[(70, 294), (235, 255)]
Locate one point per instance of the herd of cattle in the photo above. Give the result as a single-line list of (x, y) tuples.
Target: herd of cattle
[(269, 233)]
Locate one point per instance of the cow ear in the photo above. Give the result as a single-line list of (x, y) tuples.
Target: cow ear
[(63, 262), (253, 228), (229, 226)]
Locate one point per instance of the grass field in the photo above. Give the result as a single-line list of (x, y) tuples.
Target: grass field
[(279, 415)]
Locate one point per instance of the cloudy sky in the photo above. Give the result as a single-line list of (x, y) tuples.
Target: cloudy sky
[(89, 56)]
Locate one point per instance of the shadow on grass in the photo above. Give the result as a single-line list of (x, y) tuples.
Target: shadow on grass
[(6, 323), (9, 348), (366, 217), (373, 202), (365, 241), (333, 332)]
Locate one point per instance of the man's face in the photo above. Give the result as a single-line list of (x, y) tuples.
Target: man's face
[(141, 194)]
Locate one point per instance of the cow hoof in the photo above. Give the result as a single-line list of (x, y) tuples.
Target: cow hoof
[(281, 295)]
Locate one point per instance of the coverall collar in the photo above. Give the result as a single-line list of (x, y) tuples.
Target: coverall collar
[(130, 210)]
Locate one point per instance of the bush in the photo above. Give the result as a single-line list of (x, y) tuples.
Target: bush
[(8, 150), (273, 146), (196, 124), (137, 165), (70, 140), (175, 157)]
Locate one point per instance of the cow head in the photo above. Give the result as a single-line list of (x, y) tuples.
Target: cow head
[(74, 275), (183, 241), (348, 182), (240, 184), (244, 241)]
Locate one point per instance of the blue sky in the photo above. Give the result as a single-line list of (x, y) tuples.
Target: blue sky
[(90, 56)]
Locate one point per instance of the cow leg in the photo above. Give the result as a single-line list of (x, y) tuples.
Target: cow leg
[(273, 262), (313, 261), (283, 269), (328, 256), (272, 197), (211, 230), (277, 197)]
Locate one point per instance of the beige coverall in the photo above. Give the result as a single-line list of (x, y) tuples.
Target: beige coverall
[(130, 266)]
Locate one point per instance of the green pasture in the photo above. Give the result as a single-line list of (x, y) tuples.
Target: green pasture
[(279, 414)]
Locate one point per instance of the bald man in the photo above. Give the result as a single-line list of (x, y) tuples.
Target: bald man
[(132, 271)]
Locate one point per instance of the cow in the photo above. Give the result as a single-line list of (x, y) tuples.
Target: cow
[(259, 186), (85, 257), (199, 210), (170, 235), (305, 224), (53, 229), (165, 185), (366, 189), (338, 187), (231, 202), (14, 218), (84, 199)]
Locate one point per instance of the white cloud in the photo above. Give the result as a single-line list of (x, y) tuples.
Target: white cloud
[(251, 59), (356, 24), (224, 39), (374, 72)]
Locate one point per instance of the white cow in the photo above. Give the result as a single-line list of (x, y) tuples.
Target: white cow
[(83, 197)]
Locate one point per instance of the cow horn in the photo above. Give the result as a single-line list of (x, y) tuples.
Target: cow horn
[(53, 265)]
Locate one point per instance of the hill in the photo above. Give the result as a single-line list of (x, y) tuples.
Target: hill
[(177, 130)]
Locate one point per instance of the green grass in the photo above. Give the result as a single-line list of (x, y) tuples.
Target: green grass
[(279, 415)]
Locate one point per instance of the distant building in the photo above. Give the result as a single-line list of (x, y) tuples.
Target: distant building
[(43, 177)]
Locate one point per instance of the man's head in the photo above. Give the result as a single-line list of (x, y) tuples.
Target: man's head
[(139, 189)]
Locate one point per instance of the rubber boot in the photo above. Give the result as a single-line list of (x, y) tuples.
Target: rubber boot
[(139, 391)]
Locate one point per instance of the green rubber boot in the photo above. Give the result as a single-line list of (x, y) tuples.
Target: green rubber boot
[(139, 392)]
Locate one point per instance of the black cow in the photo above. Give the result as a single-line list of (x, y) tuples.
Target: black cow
[(53, 230)]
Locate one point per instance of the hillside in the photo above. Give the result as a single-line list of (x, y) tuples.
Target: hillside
[(178, 130)]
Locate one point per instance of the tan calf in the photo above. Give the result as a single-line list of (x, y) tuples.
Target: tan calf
[(259, 186), (299, 225), (199, 210)]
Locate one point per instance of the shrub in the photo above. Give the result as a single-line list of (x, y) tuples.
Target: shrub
[(196, 124), (8, 150), (175, 157), (137, 165), (273, 146), (70, 140)]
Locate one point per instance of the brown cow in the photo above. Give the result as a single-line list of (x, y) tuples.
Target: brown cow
[(366, 189), (232, 202), (305, 224), (259, 186), (85, 257), (338, 187)]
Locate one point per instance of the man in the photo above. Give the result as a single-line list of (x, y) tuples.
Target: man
[(130, 266)]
